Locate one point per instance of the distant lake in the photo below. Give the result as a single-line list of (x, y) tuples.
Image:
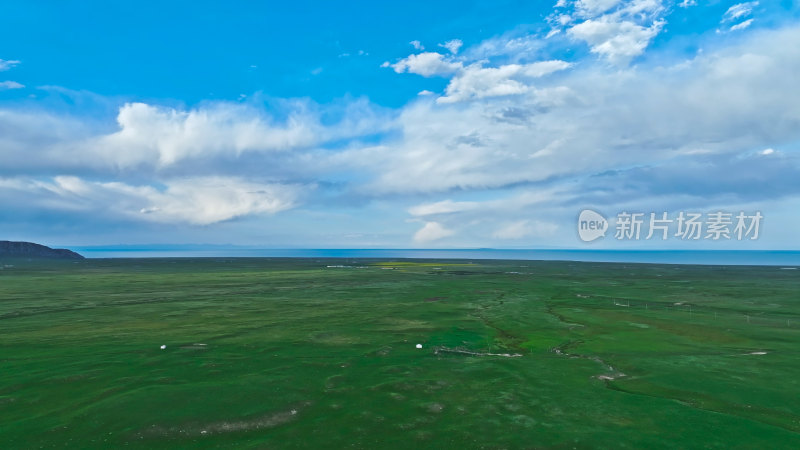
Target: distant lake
[(706, 257)]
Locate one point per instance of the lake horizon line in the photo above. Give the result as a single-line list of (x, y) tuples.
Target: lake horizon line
[(662, 256)]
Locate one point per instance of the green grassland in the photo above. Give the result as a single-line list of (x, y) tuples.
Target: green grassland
[(315, 353)]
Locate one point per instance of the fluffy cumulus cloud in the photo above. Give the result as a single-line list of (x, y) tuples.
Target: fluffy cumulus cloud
[(427, 64), (472, 78), (165, 135), (476, 81), (209, 200), (431, 231), (616, 30), (453, 45), (617, 41)]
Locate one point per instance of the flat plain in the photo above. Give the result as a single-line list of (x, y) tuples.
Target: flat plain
[(322, 353)]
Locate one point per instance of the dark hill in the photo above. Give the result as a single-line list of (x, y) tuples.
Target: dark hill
[(31, 250)]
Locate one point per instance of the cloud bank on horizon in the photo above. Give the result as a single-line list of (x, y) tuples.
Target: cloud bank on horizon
[(458, 136)]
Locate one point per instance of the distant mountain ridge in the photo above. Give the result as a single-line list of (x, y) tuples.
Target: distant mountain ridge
[(31, 250)]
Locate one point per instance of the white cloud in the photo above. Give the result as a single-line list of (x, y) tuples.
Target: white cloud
[(738, 11), (10, 85), (161, 137), (164, 136), (591, 119), (525, 228), (588, 119), (476, 82), (644, 9), (427, 64), (617, 41), (592, 8), (538, 147), (7, 64), (510, 46), (431, 231), (687, 3), (507, 217), (35, 141), (443, 207), (614, 29), (452, 45), (522, 202), (209, 200), (195, 201), (479, 82), (425, 92), (742, 25), (542, 68), (211, 139), (417, 45)]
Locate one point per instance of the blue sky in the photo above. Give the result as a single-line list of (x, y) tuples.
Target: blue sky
[(376, 125)]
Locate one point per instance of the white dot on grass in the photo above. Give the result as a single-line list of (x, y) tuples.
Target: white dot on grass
[(163, 347), (419, 345)]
